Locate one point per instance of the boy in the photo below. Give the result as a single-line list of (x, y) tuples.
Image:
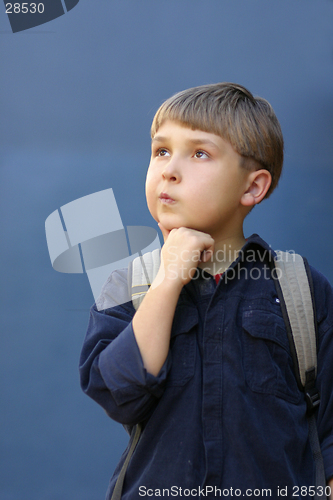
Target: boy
[(204, 364)]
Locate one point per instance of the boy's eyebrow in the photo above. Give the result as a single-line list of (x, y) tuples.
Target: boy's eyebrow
[(159, 138), (202, 141)]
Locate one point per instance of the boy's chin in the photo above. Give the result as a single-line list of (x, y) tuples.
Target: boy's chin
[(169, 227)]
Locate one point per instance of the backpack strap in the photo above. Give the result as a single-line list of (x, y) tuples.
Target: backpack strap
[(294, 283), (141, 273), (117, 492), (294, 287)]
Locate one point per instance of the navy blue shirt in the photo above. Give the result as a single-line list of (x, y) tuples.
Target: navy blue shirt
[(225, 412)]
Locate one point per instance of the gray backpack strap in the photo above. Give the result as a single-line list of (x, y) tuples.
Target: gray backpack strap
[(290, 270), (143, 271), (294, 287), (117, 492)]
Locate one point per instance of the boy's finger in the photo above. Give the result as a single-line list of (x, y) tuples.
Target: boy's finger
[(206, 255)]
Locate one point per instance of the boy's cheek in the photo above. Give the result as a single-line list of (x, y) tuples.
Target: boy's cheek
[(151, 203), (149, 175), (150, 194), (151, 189)]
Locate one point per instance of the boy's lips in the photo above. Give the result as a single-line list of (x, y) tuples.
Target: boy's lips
[(165, 198)]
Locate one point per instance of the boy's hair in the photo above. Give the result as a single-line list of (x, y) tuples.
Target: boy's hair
[(229, 110)]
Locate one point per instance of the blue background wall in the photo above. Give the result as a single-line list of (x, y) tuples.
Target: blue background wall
[(77, 98)]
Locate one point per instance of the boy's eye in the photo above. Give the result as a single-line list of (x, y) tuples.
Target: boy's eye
[(162, 152), (201, 154)]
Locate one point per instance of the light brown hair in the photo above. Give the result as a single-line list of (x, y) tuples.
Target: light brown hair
[(229, 110)]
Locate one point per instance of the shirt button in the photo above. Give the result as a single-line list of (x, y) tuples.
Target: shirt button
[(277, 301)]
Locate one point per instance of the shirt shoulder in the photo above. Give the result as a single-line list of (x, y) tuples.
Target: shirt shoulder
[(115, 290)]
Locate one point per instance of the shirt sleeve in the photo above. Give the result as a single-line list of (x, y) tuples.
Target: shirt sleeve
[(111, 367), (324, 311)]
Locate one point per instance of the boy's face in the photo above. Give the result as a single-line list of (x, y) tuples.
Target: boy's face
[(195, 180)]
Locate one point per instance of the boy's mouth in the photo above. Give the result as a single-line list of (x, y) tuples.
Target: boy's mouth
[(165, 198)]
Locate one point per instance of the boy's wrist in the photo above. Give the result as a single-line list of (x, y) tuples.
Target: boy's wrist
[(170, 281)]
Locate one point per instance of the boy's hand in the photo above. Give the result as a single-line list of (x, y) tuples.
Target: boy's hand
[(182, 251)]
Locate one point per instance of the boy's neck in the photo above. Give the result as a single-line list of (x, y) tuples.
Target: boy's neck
[(225, 253)]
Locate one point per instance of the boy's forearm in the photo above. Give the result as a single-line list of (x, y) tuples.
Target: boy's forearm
[(153, 321)]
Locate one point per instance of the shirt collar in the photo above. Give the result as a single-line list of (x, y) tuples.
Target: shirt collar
[(258, 248), (255, 242)]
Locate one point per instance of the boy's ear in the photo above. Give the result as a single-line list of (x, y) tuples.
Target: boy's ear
[(259, 182)]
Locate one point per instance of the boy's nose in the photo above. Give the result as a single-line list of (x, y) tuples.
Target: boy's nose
[(171, 172)]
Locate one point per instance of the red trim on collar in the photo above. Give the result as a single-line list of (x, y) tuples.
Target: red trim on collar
[(217, 277)]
